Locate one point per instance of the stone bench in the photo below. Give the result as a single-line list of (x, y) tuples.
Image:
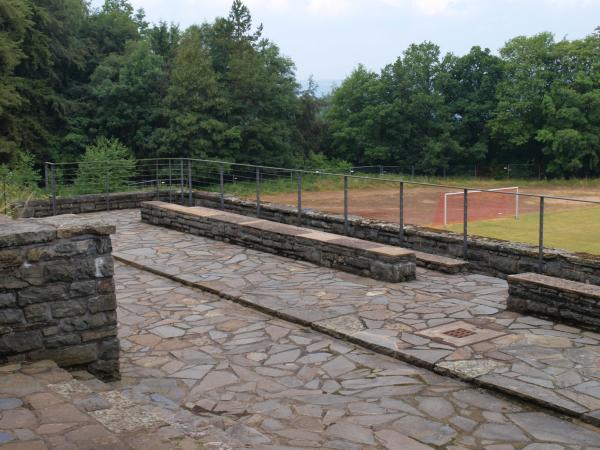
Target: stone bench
[(370, 259), (562, 300), (440, 263)]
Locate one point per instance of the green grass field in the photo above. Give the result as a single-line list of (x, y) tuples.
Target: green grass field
[(577, 230)]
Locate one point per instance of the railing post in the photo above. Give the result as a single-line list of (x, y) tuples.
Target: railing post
[(401, 212), (106, 190), (299, 199), (541, 238), (157, 182), (346, 204), (257, 192), (46, 185), (465, 223), (222, 185), (170, 182), (181, 179), (190, 183), (5, 196), (53, 177)]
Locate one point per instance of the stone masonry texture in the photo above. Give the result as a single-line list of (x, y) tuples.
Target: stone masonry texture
[(562, 300), (57, 294)]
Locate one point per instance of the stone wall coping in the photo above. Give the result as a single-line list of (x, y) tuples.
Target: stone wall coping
[(284, 229), (36, 231), (560, 284)]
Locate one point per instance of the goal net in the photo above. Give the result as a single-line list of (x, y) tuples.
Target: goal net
[(482, 205)]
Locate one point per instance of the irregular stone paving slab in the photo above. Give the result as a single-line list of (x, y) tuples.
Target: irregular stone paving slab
[(273, 384), (44, 408), (534, 359)]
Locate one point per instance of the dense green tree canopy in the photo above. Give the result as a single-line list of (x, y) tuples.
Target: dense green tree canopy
[(72, 76)]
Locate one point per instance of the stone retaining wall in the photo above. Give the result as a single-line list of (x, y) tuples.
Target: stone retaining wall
[(57, 294), (490, 256), (356, 256), (562, 300), (485, 255)]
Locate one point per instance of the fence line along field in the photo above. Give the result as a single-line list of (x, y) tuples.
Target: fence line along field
[(568, 225)]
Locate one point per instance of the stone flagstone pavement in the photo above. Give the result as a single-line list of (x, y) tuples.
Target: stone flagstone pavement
[(272, 384), (552, 364), (250, 380)]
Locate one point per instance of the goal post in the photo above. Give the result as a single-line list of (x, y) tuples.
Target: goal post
[(483, 204)]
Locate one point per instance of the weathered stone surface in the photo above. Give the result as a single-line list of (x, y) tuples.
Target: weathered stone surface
[(67, 308), (563, 300), (71, 355), (11, 316), (25, 232), (7, 299), (20, 342), (57, 293)]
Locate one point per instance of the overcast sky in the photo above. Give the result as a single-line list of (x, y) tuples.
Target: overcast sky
[(328, 38)]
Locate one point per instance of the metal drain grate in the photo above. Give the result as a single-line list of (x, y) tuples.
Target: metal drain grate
[(459, 333)]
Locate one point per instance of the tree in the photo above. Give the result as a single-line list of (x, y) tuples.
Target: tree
[(15, 21), (570, 134), (518, 115), (128, 93), (195, 106), (470, 92), (312, 128), (355, 119), (547, 104)]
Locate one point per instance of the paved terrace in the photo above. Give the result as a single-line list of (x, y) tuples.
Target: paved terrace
[(526, 356), (275, 384)]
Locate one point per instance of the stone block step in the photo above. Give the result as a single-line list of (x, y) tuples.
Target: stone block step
[(440, 263)]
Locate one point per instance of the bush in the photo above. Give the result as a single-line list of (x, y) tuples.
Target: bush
[(18, 181), (106, 165), (320, 161)]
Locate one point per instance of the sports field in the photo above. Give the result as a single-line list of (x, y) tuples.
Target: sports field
[(568, 225)]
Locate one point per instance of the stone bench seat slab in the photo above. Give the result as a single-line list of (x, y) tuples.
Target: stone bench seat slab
[(366, 258), (563, 300)]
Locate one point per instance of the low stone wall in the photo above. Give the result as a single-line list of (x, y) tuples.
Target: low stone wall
[(382, 262), (561, 300), (84, 203), (490, 256), (57, 294), (485, 255)]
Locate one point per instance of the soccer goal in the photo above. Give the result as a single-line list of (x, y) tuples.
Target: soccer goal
[(482, 205)]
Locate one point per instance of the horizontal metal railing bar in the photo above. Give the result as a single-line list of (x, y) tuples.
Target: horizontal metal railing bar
[(341, 175)]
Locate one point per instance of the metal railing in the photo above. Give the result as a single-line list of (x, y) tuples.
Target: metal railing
[(497, 171), (179, 177)]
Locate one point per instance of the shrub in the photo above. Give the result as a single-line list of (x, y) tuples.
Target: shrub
[(106, 165)]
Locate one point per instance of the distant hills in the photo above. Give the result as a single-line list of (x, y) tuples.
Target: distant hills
[(324, 86)]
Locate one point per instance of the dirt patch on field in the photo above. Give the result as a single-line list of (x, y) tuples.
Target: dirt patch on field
[(425, 205)]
